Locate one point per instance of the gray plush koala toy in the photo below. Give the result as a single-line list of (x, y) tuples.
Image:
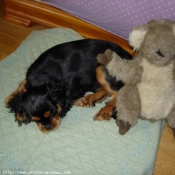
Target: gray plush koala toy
[(149, 90)]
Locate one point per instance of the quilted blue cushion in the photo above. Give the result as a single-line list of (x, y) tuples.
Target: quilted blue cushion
[(80, 146)]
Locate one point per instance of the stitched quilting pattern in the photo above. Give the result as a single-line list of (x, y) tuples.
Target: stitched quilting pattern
[(80, 145)]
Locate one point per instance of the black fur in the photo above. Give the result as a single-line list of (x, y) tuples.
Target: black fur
[(61, 75)]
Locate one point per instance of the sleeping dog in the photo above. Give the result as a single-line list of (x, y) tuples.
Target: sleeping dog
[(59, 78)]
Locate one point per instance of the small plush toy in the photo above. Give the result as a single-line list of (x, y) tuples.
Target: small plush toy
[(149, 90)]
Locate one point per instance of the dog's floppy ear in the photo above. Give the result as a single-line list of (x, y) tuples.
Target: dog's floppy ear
[(16, 106)]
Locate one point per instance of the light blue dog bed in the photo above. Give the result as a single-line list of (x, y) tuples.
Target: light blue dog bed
[(80, 146)]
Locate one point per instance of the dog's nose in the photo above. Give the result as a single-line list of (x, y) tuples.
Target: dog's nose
[(48, 126)]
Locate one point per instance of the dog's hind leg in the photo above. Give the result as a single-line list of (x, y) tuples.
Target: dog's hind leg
[(20, 89), (105, 91), (106, 112)]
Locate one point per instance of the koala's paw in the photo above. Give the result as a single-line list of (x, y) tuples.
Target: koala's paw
[(105, 58), (123, 126)]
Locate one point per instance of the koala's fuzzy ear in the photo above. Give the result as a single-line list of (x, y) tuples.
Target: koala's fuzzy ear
[(136, 36)]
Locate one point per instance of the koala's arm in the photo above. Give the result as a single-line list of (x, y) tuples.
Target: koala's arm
[(129, 72)]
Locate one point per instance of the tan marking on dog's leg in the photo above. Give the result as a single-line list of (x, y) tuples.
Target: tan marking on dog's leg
[(106, 112), (20, 89)]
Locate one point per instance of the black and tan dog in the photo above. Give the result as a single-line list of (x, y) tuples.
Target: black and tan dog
[(59, 78)]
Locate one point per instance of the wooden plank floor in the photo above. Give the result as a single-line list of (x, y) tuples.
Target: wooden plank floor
[(11, 36)]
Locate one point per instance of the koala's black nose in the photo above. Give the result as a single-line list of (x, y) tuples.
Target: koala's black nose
[(48, 126), (160, 53)]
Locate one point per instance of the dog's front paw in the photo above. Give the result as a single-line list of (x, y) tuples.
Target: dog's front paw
[(123, 126), (104, 114), (85, 102)]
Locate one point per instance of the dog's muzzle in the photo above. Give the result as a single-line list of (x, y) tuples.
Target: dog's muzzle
[(53, 125)]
